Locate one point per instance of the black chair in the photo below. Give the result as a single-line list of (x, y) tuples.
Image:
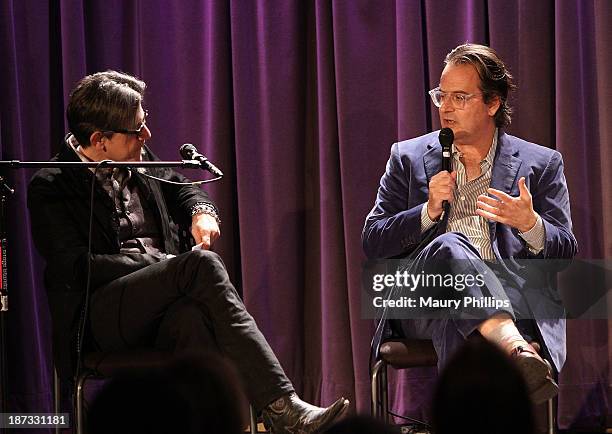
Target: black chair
[(106, 365), (413, 353), (101, 365)]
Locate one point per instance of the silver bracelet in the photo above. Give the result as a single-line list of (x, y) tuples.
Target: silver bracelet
[(206, 208)]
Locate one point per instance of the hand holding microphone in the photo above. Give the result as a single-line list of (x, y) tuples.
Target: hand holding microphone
[(442, 185)]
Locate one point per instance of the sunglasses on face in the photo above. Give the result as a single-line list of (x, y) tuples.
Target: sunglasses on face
[(136, 132)]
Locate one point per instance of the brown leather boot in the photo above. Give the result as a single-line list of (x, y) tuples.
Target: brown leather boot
[(289, 414)]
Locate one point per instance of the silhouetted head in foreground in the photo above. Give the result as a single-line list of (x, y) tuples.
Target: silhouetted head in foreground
[(192, 394), (361, 424), (481, 391)]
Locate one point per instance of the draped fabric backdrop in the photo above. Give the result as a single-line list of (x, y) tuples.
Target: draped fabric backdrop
[(299, 103)]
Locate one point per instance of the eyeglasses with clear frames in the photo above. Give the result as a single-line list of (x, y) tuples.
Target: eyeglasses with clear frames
[(457, 99), (137, 132)]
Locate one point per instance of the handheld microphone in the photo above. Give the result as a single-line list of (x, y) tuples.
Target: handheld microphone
[(446, 138), (189, 152)]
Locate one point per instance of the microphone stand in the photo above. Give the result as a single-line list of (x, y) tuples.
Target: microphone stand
[(5, 191), (16, 164)]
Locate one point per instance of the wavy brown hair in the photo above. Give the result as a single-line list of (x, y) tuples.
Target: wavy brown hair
[(495, 79)]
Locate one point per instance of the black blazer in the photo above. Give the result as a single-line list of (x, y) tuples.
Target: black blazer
[(59, 205)]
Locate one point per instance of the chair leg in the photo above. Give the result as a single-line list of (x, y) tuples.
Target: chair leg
[(379, 391), (57, 398), (374, 389), (550, 416), (253, 419), (79, 399), (384, 394)]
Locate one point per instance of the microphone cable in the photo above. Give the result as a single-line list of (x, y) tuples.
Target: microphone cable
[(146, 151), (85, 309), (167, 181)]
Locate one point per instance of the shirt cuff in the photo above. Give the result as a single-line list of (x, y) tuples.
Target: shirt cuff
[(535, 237), (426, 222)]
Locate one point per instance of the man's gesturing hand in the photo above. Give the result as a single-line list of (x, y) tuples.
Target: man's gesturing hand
[(513, 211), (205, 230), (441, 188)]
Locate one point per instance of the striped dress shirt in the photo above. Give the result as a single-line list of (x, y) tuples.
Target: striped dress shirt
[(463, 217)]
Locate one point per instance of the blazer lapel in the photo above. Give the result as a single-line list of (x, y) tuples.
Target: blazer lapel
[(432, 160), (103, 206), (505, 167), (504, 177)]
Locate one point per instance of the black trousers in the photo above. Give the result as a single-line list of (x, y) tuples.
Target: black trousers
[(188, 302)]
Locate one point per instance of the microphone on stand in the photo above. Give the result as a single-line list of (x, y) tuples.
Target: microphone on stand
[(189, 152), (446, 138)]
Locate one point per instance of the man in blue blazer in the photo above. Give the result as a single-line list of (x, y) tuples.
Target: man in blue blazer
[(509, 204)]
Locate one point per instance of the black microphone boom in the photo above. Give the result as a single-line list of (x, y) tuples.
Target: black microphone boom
[(189, 152)]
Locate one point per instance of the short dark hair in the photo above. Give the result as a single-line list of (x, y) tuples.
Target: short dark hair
[(495, 79), (190, 392), (106, 100), (481, 377)]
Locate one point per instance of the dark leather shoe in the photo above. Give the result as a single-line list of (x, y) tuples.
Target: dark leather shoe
[(537, 373), (289, 414)]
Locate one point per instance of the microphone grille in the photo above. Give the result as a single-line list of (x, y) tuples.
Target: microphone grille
[(187, 150), (446, 137)]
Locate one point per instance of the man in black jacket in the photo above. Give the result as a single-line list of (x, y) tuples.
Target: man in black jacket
[(145, 293)]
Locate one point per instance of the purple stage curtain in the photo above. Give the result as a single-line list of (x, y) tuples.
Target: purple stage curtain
[(299, 103)]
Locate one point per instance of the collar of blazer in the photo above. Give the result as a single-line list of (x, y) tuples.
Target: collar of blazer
[(505, 165)]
